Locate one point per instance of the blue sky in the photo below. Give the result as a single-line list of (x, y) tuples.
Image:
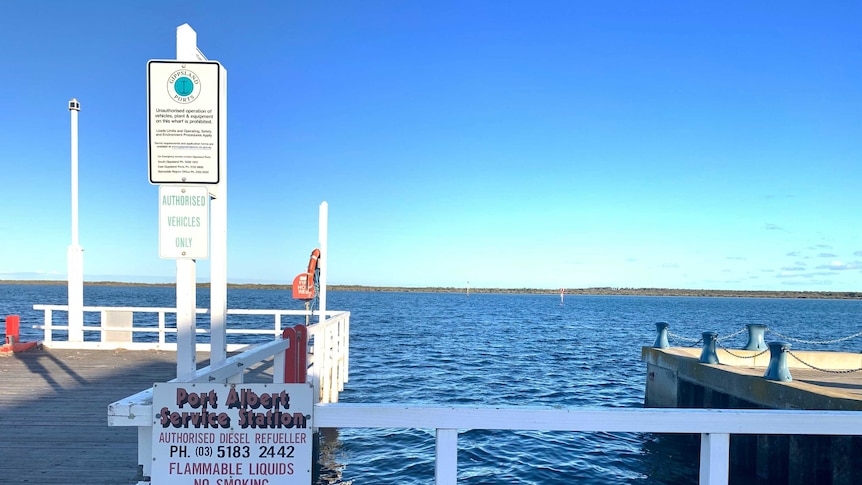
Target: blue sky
[(509, 144)]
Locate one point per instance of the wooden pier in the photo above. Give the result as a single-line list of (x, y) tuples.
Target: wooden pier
[(53, 408)]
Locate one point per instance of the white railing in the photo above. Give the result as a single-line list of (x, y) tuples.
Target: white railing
[(117, 325), (714, 426), (329, 355)]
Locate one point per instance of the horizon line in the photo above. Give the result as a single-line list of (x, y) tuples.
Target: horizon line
[(611, 290)]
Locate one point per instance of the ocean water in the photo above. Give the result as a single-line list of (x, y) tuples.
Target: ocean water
[(501, 350)]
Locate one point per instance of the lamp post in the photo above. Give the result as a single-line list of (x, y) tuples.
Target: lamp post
[(75, 254)]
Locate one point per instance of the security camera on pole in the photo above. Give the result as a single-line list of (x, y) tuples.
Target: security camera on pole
[(75, 254)]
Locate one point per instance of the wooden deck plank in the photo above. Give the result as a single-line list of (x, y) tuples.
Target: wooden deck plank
[(53, 413)]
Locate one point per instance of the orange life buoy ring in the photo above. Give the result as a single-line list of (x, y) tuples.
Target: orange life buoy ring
[(312, 263)]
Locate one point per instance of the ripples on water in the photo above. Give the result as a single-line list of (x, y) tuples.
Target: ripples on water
[(503, 350)]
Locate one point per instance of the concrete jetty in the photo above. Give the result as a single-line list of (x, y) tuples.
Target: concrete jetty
[(739, 376), (676, 378)]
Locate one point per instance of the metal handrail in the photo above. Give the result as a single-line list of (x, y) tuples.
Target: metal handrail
[(714, 425), (48, 327)]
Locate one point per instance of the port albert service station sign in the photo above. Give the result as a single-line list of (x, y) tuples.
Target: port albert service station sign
[(232, 434), (183, 122)]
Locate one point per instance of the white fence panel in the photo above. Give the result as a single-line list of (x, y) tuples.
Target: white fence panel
[(714, 425)]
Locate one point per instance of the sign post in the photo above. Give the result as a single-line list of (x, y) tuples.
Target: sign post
[(218, 433), (187, 132)]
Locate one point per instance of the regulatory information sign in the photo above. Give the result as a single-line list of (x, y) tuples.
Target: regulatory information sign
[(226, 434), (183, 121), (183, 222)]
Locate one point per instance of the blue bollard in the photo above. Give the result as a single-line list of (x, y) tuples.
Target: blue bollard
[(777, 370), (755, 337), (661, 338), (708, 355)]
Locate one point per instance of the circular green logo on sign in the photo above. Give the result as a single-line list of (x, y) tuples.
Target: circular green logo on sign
[(184, 86)]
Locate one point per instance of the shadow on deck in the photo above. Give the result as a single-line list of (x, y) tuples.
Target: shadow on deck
[(53, 412)]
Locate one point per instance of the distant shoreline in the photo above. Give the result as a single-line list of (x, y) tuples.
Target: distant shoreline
[(830, 295)]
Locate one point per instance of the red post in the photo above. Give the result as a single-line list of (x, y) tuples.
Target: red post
[(289, 355), (13, 329), (301, 353), (295, 359)]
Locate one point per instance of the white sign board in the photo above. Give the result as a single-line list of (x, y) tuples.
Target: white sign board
[(219, 434), (183, 121), (183, 222)]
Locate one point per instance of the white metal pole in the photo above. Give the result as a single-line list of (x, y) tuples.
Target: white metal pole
[(186, 317), (218, 241), (187, 44), (186, 270), (446, 463), (74, 108), (714, 458), (75, 254), (323, 262), (187, 50)]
